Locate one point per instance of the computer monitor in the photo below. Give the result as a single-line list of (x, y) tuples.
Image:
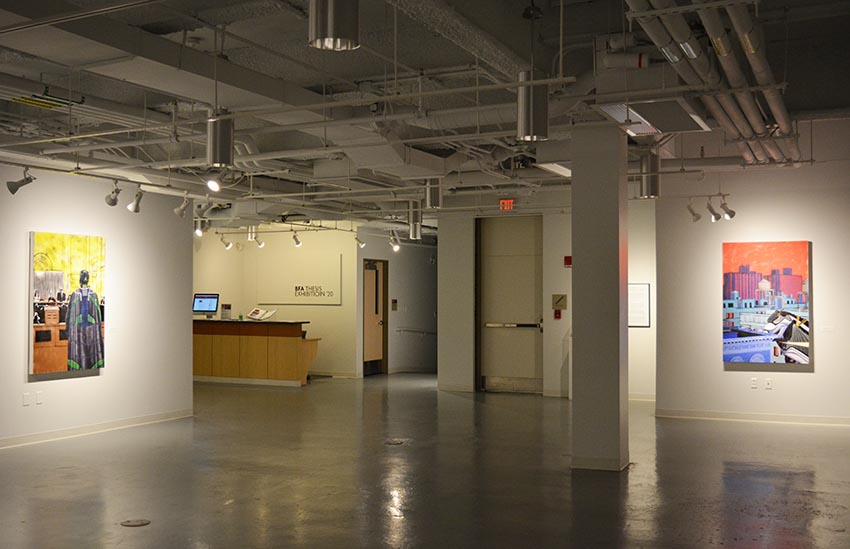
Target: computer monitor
[(206, 304)]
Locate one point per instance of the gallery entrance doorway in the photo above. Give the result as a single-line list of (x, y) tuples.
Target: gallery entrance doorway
[(375, 288), (510, 304)]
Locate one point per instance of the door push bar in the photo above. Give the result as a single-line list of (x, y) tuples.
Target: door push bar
[(513, 325)]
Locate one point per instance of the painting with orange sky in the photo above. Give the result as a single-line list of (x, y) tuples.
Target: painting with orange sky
[(767, 305)]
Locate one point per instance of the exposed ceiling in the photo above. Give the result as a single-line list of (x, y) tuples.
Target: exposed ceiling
[(139, 83)]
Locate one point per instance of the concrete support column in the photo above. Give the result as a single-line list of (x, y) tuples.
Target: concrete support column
[(600, 414)]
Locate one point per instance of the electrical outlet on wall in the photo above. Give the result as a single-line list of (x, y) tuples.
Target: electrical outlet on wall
[(768, 383), (754, 383)]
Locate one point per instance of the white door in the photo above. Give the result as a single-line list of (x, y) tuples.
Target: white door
[(511, 303)]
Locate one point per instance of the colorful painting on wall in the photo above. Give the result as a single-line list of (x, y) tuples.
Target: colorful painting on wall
[(67, 289), (767, 306)]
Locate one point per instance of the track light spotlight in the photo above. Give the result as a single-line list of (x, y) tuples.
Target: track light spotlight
[(360, 243), (696, 216), (394, 242), (112, 198), (728, 213), (13, 186), (214, 182), (180, 211), (137, 200), (260, 243), (715, 217), (227, 244), (199, 228), (297, 240)]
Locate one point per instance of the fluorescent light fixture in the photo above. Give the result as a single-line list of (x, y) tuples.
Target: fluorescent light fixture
[(696, 216), (227, 244), (112, 198), (360, 243), (715, 217), (137, 200), (334, 25), (296, 240), (556, 168), (180, 211), (728, 213), (13, 186), (689, 51), (671, 54)]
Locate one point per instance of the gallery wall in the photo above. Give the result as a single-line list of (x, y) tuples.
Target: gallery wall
[(457, 300), (148, 344), (236, 273), (810, 202), (412, 329)]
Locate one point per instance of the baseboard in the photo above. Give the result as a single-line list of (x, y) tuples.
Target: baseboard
[(248, 381), (334, 375), (554, 395), (598, 464), (454, 388), (642, 396), (60, 434), (746, 416)]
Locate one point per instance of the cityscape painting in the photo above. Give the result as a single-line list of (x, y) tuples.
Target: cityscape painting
[(767, 306)]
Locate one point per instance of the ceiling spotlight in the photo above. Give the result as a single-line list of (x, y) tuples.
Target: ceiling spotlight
[(213, 183), (694, 214), (199, 228), (394, 242), (227, 244), (715, 217), (360, 243), (137, 200), (25, 180), (297, 240), (728, 213), (112, 198), (334, 25), (260, 243), (180, 211)]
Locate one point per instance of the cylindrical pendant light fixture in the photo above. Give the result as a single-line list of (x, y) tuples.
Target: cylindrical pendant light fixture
[(414, 220), (334, 25), (219, 140), (532, 122), (649, 176)]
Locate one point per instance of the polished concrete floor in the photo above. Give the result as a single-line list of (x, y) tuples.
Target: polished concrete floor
[(391, 462)]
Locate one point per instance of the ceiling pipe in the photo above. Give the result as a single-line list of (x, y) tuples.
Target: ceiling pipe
[(681, 33), (672, 52), (722, 45), (752, 43)]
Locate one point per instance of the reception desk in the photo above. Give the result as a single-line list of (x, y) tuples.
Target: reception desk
[(268, 352)]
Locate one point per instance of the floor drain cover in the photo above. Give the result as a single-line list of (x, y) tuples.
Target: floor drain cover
[(394, 442), (135, 523)]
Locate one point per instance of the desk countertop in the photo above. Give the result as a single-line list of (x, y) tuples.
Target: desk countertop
[(249, 321)]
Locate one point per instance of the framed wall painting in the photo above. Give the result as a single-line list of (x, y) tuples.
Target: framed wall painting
[(767, 306), (67, 274)]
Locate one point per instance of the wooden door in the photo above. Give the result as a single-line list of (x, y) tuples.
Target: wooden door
[(374, 312)]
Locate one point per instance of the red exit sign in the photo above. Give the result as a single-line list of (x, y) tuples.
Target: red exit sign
[(506, 204)]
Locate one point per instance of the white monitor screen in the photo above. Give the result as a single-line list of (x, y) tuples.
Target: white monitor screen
[(205, 303)]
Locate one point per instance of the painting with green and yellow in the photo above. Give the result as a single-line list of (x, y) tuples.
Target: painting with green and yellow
[(70, 254)]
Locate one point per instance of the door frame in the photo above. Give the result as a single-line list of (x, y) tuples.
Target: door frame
[(384, 363)]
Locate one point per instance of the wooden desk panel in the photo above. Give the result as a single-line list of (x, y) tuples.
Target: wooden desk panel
[(202, 354), (254, 356), (225, 355)]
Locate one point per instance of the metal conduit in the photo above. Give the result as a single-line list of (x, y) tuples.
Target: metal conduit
[(681, 33), (661, 38), (750, 37)]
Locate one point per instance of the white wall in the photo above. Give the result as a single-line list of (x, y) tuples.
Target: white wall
[(642, 351), (413, 282), (456, 304), (148, 343), (233, 273), (807, 203), (457, 300)]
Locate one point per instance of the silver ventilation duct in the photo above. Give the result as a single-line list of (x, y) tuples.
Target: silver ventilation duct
[(334, 25)]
